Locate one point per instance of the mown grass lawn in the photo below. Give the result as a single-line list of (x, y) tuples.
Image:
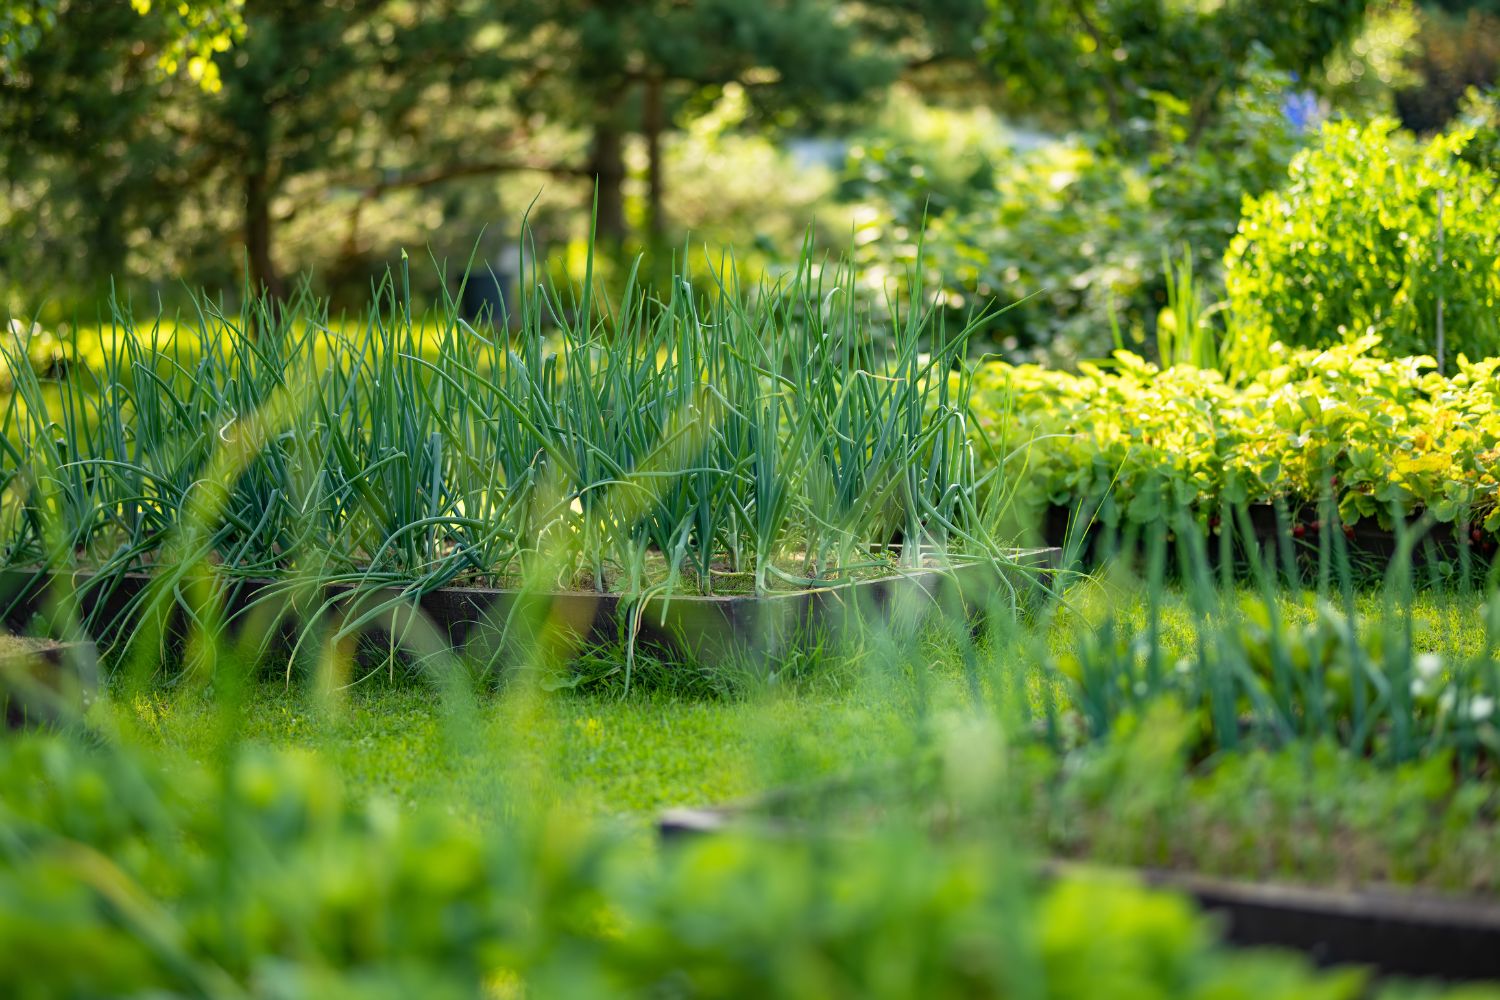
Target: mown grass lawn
[(607, 755), (630, 755)]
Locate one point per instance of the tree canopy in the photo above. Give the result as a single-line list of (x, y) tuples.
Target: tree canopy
[(201, 125), (192, 31), (1099, 63)]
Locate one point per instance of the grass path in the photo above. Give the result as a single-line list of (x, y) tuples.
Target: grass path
[(599, 753), (629, 757)]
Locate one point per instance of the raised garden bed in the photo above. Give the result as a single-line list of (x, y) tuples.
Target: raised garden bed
[(44, 681), (1395, 931), (1079, 532), (482, 619)]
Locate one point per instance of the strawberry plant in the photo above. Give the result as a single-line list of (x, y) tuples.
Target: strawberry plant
[(1385, 437)]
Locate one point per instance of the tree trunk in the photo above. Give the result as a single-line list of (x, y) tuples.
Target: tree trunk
[(653, 123), (607, 164), (263, 274)]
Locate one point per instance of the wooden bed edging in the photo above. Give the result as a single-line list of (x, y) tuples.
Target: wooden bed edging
[(705, 627), (46, 682), (1071, 529)]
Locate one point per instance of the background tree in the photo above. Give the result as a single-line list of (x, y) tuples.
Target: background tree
[(617, 69), (1100, 63), (192, 31), (1458, 47), (101, 148)]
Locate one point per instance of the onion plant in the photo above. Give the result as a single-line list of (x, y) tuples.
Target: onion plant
[(1256, 677), (746, 440)]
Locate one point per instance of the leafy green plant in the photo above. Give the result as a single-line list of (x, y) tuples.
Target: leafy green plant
[(1378, 234), (1120, 56)]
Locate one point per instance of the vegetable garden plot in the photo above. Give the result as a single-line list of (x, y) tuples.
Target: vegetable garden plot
[(746, 462)]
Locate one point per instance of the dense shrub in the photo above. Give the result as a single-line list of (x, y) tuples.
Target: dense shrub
[(1069, 231), (1350, 247)]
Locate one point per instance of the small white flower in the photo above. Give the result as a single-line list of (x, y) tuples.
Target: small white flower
[(1481, 708)]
